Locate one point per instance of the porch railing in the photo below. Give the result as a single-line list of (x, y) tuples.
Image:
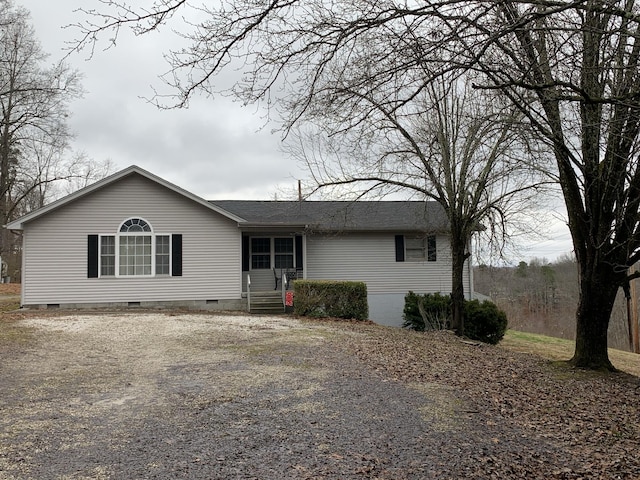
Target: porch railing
[(248, 293), (283, 285)]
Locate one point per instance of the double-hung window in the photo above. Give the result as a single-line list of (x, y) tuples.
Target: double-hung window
[(163, 254), (416, 248), (268, 252), (107, 255), (283, 252), (135, 248), (260, 253)]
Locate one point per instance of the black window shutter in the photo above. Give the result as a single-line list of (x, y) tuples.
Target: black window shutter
[(399, 248), (176, 255), (246, 258), (299, 259), (92, 256), (431, 248)]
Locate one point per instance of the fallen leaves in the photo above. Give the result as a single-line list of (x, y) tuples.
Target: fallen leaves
[(10, 288), (591, 416)]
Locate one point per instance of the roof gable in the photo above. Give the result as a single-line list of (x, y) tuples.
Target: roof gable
[(19, 223)]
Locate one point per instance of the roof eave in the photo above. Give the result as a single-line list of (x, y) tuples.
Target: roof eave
[(332, 230), (272, 226)]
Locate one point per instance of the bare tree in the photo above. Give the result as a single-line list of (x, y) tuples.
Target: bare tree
[(581, 61), (462, 148), (32, 101), (49, 171), (35, 161), (571, 68)]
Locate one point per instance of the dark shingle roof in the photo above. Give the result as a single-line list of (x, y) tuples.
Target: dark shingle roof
[(341, 215)]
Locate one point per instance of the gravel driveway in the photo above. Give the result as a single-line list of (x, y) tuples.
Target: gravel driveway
[(154, 395), (195, 396)]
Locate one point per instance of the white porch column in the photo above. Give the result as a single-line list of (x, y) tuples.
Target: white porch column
[(304, 256)]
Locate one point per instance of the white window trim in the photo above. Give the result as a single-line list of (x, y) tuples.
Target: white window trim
[(153, 234), (251, 253), (115, 267), (272, 252), (153, 267), (425, 249)]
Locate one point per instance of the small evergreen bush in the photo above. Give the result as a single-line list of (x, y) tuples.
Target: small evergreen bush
[(484, 321), (432, 311), (324, 298)]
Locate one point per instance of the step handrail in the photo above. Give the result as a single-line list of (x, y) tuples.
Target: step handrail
[(284, 290), (248, 293)]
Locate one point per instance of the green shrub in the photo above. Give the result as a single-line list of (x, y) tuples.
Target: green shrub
[(432, 311), (484, 321), (325, 298)]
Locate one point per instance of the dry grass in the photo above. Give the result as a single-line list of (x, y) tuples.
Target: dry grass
[(561, 349), (9, 306), (9, 297)]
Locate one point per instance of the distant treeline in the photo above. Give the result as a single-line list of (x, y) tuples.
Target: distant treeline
[(541, 297)]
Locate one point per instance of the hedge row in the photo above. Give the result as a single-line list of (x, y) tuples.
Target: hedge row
[(324, 298)]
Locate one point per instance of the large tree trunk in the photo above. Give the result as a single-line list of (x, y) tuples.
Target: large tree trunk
[(598, 290), (5, 151), (458, 257)]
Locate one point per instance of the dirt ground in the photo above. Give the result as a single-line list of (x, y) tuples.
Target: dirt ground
[(152, 395)]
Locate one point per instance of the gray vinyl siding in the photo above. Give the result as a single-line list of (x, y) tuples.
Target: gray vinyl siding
[(371, 258), (55, 267), (261, 280)]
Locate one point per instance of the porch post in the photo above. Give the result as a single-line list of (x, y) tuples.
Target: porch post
[(304, 256)]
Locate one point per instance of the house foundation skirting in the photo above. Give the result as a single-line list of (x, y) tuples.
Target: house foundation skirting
[(208, 305)]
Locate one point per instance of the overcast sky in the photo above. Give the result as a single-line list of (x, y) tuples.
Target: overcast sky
[(216, 148)]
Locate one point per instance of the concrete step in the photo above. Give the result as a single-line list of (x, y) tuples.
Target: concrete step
[(267, 302)]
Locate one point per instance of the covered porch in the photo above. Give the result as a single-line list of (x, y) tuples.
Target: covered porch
[(271, 260)]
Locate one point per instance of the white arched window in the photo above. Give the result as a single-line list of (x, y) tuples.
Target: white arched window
[(135, 248), (135, 251), (135, 225)]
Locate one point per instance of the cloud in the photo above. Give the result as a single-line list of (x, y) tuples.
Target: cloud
[(216, 148)]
